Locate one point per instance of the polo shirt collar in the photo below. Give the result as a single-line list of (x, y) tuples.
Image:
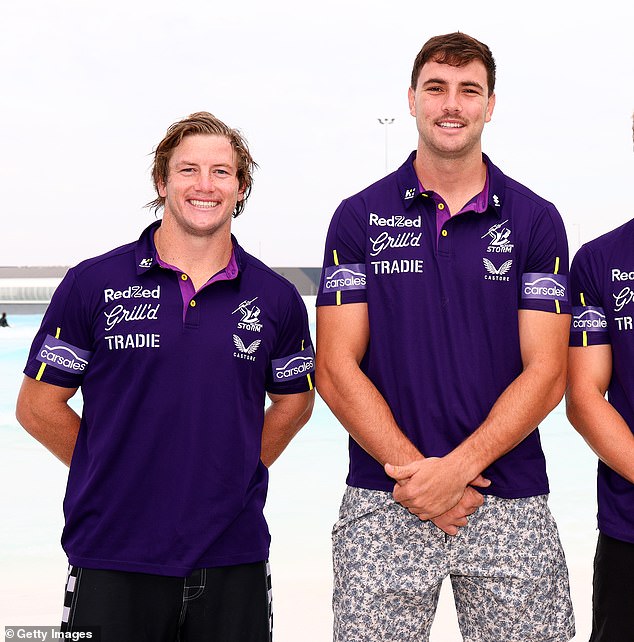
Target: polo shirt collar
[(409, 185), (147, 258)]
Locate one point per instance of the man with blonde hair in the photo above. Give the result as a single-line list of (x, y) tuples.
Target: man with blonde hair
[(175, 340)]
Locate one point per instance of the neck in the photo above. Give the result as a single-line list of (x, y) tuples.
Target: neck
[(200, 257), (454, 179)]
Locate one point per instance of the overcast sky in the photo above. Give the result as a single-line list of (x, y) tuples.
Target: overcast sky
[(88, 89)]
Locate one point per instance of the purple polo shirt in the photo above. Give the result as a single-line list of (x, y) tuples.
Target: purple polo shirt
[(602, 286), (443, 309), (166, 474)]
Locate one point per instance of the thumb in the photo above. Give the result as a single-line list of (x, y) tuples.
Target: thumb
[(401, 472), (480, 481)]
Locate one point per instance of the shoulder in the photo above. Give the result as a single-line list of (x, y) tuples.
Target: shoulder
[(254, 270), (612, 240), (523, 200), (89, 268)]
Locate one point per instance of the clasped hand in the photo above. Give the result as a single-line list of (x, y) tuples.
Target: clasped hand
[(433, 489)]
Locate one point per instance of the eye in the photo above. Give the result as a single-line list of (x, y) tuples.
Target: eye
[(187, 170)]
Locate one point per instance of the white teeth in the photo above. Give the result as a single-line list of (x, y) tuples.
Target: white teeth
[(451, 125), (208, 204)]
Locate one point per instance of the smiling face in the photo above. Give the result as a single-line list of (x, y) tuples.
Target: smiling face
[(202, 186), (451, 105)]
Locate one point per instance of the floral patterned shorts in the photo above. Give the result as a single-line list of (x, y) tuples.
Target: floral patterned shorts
[(507, 569)]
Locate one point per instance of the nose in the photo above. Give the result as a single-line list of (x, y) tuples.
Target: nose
[(206, 182), (452, 101)]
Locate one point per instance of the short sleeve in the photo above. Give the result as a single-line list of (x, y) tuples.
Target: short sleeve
[(343, 276), (544, 283), (292, 368), (589, 323), (61, 351)]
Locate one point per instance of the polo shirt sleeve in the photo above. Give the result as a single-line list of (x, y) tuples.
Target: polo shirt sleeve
[(343, 276), (292, 367), (589, 324), (60, 353), (544, 282)]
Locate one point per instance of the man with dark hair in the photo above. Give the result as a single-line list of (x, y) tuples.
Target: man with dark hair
[(441, 334), (600, 360), (175, 340)]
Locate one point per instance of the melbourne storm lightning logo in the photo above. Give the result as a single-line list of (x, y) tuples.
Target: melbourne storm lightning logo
[(500, 238), (250, 315)]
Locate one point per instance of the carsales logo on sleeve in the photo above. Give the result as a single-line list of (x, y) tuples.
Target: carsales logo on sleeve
[(63, 356)]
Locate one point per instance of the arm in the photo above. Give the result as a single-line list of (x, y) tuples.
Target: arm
[(432, 486), (343, 333), (596, 420), (282, 421), (342, 339), (43, 411)]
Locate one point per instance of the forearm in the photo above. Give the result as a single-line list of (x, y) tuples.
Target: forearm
[(516, 413), (55, 428), (283, 419), (603, 428), (364, 413)]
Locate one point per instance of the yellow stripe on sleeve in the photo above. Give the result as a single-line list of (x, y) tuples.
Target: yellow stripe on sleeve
[(557, 308), (584, 334), (40, 372), (310, 382), (336, 259)]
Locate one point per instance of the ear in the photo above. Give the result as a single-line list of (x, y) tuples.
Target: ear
[(162, 191), (411, 97), (489, 110)]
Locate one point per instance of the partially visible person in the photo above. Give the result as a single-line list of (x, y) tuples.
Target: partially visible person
[(442, 334), (175, 340), (4, 322), (601, 359)]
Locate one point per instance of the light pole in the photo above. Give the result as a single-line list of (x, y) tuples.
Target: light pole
[(385, 122)]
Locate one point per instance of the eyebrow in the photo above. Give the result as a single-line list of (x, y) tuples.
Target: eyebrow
[(466, 83), (183, 163)]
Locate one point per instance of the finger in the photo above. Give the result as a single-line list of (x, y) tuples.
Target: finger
[(481, 482), (446, 526)]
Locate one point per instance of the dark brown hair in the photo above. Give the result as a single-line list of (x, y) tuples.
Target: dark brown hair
[(456, 49)]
